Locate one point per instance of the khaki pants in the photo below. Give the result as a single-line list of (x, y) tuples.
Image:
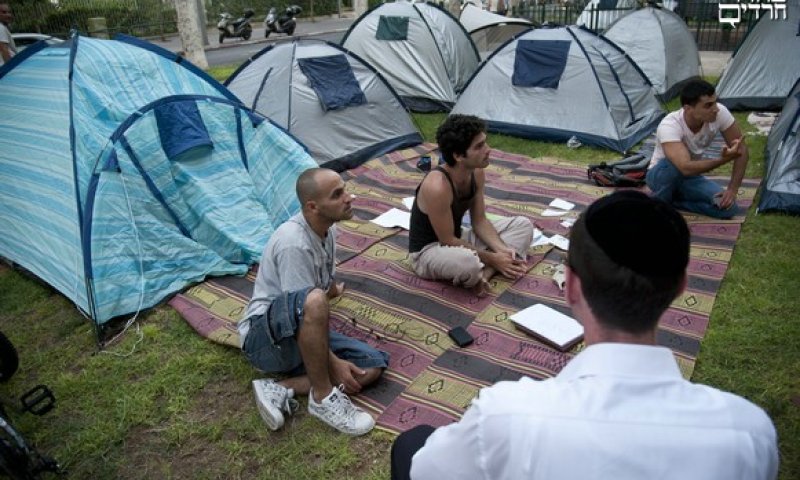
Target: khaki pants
[(462, 265)]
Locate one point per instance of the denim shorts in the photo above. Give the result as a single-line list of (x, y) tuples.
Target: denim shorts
[(271, 344)]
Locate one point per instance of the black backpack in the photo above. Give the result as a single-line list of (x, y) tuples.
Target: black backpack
[(628, 172)]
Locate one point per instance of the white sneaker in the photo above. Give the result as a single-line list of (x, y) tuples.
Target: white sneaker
[(339, 412), (274, 401)]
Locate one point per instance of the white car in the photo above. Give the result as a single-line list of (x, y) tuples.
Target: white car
[(24, 40)]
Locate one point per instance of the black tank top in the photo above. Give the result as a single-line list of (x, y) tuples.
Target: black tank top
[(422, 232)]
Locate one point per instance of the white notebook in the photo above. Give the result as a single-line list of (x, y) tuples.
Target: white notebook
[(549, 326)]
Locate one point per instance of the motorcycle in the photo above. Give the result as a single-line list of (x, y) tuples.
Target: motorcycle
[(283, 23), (240, 28)]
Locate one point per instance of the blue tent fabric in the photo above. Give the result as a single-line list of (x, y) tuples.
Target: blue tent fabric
[(540, 63), (333, 81), (392, 28), (90, 199), (180, 128)]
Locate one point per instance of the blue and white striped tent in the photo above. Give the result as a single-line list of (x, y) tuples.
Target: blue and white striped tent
[(127, 174)]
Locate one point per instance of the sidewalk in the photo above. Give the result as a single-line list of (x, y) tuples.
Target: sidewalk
[(305, 27), (712, 63)]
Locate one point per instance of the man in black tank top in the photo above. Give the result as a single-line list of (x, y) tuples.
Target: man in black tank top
[(440, 249)]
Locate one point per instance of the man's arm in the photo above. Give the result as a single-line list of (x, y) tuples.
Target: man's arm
[(453, 451), (678, 154), (735, 140), (5, 52), (500, 256)]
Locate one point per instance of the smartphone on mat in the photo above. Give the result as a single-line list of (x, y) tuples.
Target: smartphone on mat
[(461, 336)]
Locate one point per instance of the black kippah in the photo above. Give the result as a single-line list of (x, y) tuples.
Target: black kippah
[(644, 234)]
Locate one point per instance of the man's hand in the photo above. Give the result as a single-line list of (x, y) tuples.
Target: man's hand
[(506, 263), (343, 372), (336, 289), (726, 199), (733, 151)]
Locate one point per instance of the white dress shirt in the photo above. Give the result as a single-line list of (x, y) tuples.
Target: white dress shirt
[(616, 411)]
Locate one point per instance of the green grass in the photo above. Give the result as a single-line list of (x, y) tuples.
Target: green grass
[(181, 407)]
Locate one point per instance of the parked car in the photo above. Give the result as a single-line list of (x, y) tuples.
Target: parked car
[(24, 40)]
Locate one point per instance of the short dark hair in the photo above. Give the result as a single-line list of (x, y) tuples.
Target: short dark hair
[(630, 252), (456, 134), (692, 91), (306, 186)]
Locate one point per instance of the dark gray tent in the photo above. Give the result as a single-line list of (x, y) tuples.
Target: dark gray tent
[(766, 64), (782, 181), (661, 45), (342, 110)]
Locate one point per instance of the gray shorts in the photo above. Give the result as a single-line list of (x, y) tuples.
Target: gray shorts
[(271, 344)]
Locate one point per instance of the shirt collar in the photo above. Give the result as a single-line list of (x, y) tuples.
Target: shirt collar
[(622, 359)]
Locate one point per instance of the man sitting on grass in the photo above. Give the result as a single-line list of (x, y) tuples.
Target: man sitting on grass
[(285, 327), (621, 408), (440, 248), (677, 165)]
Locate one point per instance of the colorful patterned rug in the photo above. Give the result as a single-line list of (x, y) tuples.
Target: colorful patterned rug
[(430, 380)]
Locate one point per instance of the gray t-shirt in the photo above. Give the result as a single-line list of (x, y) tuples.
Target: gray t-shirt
[(295, 257)]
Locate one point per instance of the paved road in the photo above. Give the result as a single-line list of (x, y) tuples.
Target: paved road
[(233, 51), (239, 51)]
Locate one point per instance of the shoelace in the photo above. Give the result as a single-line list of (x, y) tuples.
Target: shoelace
[(291, 406), (342, 406)]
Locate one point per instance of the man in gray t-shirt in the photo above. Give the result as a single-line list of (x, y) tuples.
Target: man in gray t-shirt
[(285, 327)]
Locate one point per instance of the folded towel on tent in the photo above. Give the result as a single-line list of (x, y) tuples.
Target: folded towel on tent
[(429, 379)]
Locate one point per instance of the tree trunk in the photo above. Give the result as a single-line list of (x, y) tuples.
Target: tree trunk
[(191, 36)]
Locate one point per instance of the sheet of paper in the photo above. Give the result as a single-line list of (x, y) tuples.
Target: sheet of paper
[(408, 202), (540, 240), (562, 204), (560, 242), (568, 222), (549, 212), (394, 218), (551, 324)]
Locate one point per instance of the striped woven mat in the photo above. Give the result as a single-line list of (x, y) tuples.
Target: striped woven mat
[(430, 380)]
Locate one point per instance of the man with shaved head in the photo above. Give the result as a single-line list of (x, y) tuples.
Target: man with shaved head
[(285, 327)]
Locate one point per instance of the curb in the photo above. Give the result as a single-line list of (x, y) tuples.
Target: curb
[(276, 38)]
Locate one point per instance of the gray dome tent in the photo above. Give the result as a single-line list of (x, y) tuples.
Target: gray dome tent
[(420, 49), (342, 110), (661, 45), (555, 83), (764, 67), (782, 181)]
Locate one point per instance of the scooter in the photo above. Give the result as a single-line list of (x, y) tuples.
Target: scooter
[(283, 23), (240, 28)]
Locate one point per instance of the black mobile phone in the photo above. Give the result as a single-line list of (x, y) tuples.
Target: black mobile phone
[(461, 336)]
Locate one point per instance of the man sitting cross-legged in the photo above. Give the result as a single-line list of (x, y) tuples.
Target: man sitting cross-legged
[(440, 249), (285, 327)]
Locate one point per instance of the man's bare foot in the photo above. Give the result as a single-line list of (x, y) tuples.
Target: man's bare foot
[(481, 288)]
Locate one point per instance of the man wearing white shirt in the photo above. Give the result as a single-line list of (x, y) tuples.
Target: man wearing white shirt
[(7, 47), (678, 162), (620, 409)]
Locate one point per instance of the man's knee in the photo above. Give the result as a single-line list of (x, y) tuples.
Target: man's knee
[(370, 376), (315, 308)]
